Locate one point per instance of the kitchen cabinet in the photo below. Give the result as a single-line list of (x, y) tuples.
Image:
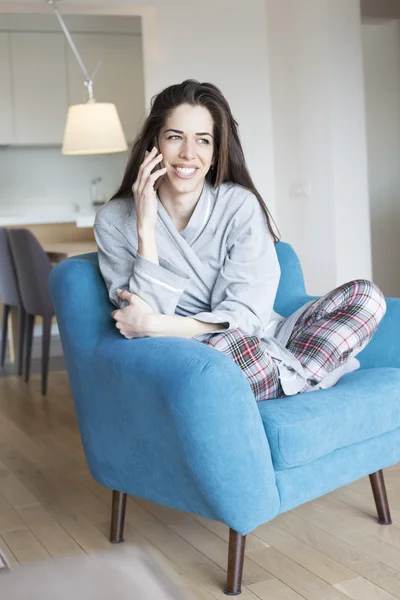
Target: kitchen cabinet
[(39, 87), (119, 79), (40, 76), (6, 112)]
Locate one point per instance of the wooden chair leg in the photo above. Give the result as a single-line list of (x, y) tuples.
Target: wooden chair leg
[(117, 517), (380, 497), (4, 328), (237, 544)]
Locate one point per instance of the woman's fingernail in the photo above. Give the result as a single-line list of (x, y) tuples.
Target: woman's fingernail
[(119, 291)]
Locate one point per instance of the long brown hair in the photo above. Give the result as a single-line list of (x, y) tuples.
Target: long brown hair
[(229, 162)]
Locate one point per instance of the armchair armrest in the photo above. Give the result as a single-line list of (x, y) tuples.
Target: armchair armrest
[(167, 419), (384, 348), (174, 421)]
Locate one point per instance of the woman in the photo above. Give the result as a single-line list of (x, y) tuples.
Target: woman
[(192, 254)]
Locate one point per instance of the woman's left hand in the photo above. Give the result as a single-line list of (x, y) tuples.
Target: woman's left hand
[(133, 319)]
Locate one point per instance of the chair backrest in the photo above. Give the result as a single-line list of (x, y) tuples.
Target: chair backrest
[(33, 268), (9, 292)]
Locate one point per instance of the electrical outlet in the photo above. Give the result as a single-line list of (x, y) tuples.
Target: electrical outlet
[(300, 189)]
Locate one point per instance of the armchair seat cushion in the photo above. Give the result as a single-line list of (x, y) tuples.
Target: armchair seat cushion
[(302, 428)]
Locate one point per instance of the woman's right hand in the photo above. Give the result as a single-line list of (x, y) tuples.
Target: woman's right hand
[(144, 192)]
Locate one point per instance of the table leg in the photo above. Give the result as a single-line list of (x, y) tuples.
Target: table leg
[(13, 333)]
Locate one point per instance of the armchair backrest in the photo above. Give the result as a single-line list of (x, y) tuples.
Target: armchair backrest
[(291, 291), (83, 309)]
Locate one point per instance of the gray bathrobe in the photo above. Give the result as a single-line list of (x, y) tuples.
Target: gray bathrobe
[(221, 268)]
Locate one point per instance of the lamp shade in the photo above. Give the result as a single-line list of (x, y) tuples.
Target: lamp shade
[(93, 128)]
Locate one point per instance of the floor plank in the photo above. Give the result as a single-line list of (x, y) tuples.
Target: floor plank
[(25, 546), (49, 532), (295, 576), (355, 528), (314, 534), (305, 555), (361, 589), (274, 590), (204, 540)]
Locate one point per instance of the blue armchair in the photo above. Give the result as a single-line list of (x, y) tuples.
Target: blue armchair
[(174, 421)]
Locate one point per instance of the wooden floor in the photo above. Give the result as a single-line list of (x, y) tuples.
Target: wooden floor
[(328, 549)]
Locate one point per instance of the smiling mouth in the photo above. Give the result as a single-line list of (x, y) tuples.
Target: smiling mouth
[(184, 173)]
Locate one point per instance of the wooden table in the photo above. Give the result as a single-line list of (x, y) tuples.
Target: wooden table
[(59, 251), (56, 253)]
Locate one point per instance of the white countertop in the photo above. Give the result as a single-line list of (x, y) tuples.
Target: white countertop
[(85, 219), (36, 217)]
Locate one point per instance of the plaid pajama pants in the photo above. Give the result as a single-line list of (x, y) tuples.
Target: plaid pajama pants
[(332, 328)]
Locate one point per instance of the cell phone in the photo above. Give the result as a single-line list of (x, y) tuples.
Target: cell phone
[(159, 165)]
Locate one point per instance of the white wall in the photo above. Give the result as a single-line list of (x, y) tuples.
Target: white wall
[(224, 43), (349, 142), (316, 83), (42, 178), (381, 49)]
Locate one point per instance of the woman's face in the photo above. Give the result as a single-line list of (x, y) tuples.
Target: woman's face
[(187, 144)]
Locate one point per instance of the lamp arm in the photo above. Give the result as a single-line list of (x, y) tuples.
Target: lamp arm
[(88, 79)]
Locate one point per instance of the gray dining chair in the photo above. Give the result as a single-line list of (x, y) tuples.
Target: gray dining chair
[(10, 296), (33, 268)]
